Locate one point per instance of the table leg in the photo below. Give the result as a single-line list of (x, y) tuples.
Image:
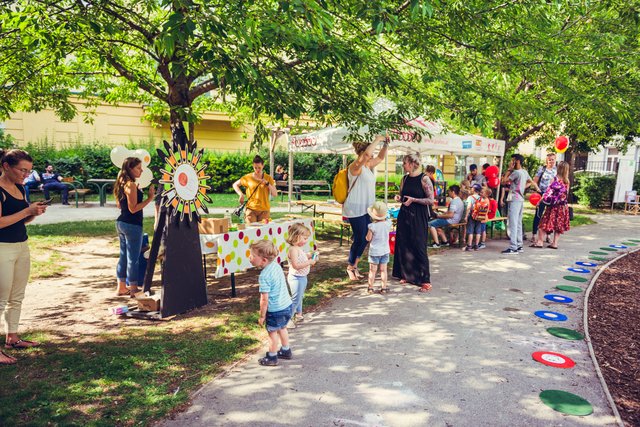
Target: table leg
[(233, 285)]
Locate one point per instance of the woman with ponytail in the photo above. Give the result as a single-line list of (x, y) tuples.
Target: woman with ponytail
[(129, 198)]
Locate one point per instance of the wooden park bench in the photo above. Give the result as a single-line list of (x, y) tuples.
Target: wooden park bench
[(302, 186), (77, 190)]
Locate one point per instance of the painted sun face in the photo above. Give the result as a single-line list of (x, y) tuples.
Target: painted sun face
[(184, 180)]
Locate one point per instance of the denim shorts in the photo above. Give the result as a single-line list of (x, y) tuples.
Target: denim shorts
[(277, 320), (438, 223), (382, 259), (484, 227), (474, 227)]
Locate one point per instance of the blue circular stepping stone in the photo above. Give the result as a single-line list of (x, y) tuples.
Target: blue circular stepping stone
[(558, 298), (579, 270), (586, 264), (618, 246), (551, 315)]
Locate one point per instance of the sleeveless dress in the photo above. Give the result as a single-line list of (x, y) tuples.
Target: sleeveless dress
[(556, 216), (410, 261)]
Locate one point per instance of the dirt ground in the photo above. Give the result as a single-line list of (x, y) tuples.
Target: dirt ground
[(614, 317), (76, 304)]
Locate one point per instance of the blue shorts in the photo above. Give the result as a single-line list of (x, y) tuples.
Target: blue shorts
[(474, 227), (439, 223), (277, 320), (382, 259), (484, 227)]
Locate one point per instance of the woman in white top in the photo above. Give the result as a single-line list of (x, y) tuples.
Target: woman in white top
[(362, 194)]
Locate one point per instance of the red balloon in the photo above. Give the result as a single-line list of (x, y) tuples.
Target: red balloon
[(562, 143), (491, 172), (493, 182), (535, 198)]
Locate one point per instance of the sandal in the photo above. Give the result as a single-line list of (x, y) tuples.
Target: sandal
[(534, 245), (10, 360), (425, 288), (352, 274), (359, 276), (369, 290), (21, 344), (403, 281), (384, 290), (552, 247)]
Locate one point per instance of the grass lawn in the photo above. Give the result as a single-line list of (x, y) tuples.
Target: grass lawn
[(139, 374)]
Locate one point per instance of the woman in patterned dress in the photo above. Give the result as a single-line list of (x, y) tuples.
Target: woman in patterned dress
[(556, 216)]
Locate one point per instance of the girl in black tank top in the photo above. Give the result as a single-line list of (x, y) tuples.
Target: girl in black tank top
[(16, 232)]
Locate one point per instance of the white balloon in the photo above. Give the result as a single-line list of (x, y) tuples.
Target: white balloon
[(118, 154), (145, 178), (143, 155)]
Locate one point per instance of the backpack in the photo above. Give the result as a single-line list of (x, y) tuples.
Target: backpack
[(480, 210), (340, 188)]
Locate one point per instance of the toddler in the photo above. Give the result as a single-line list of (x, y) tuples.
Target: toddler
[(275, 302), (300, 263), (378, 235)]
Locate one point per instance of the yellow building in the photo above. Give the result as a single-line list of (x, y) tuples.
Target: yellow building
[(122, 125)]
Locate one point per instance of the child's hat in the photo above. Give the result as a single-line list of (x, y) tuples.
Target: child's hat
[(477, 187), (378, 210)]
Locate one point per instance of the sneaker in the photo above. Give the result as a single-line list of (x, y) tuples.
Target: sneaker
[(475, 247), (434, 246), (520, 249), (444, 244), (509, 252), (482, 246), (268, 360), (467, 248), (285, 354)]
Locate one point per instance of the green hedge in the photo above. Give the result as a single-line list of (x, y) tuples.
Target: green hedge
[(594, 190)]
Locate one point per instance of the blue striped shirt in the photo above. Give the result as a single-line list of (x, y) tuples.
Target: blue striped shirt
[(273, 282)]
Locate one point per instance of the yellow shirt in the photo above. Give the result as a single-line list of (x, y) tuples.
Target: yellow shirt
[(260, 200)]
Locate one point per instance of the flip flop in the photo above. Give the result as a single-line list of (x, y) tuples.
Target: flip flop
[(11, 361), (425, 288), (552, 247), (16, 344)]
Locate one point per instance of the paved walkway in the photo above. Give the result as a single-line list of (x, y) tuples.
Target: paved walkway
[(458, 356), (93, 211)]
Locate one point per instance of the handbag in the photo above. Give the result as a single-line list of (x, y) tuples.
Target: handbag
[(570, 213)]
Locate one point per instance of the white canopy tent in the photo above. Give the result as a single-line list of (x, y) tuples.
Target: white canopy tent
[(433, 141)]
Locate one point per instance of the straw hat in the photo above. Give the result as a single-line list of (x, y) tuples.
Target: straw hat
[(378, 210)]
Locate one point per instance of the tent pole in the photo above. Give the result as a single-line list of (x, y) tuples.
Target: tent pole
[(500, 181), (290, 190), (386, 177)]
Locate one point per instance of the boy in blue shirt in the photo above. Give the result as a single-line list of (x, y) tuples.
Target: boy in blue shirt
[(275, 302)]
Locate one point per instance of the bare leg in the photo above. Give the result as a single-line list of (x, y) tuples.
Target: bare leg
[(441, 235), (284, 337), (434, 235), (122, 289), (556, 237), (373, 269), (383, 275)]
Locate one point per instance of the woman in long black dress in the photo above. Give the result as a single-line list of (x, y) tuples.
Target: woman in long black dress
[(410, 262)]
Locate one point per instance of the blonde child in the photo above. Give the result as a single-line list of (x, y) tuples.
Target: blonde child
[(275, 302), (300, 263), (378, 236), (477, 218)]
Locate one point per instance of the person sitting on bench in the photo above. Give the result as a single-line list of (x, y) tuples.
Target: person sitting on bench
[(51, 181), (452, 216), (282, 175), (32, 181)]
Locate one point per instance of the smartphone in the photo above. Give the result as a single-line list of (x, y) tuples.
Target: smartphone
[(314, 256), (47, 202), (404, 199)]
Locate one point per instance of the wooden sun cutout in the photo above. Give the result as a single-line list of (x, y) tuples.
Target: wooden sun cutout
[(184, 180)]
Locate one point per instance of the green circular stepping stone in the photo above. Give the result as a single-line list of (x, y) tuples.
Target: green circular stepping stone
[(565, 333), (598, 253), (575, 279), (565, 402), (597, 258), (609, 249), (568, 288), (634, 240), (629, 244)]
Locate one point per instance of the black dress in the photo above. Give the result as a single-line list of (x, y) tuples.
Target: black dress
[(410, 261)]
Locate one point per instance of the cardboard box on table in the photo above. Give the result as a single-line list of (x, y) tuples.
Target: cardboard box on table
[(214, 225)]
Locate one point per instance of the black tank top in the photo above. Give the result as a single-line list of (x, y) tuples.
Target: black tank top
[(16, 232), (125, 213)]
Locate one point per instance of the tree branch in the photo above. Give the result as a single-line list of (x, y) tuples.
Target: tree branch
[(204, 87), (127, 74)]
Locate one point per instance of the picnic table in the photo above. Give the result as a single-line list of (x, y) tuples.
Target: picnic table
[(101, 184)]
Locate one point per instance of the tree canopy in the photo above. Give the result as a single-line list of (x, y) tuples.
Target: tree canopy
[(508, 68)]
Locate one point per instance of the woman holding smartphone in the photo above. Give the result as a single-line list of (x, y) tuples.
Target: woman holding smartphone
[(15, 260), (410, 261)]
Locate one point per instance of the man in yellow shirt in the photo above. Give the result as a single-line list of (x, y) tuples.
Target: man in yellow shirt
[(258, 186)]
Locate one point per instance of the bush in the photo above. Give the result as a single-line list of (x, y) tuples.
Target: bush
[(636, 182), (594, 190)]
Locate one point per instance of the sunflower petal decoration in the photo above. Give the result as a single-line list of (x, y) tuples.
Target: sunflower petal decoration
[(184, 181)]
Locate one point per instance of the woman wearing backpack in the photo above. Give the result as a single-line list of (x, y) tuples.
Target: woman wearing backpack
[(361, 195)]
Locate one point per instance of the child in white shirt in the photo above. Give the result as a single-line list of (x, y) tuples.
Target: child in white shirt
[(378, 236)]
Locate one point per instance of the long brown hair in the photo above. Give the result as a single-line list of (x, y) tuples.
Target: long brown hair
[(125, 176), (563, 172), (13, 157)]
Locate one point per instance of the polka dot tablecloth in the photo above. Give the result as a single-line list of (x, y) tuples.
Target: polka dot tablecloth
[(232, 248)]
